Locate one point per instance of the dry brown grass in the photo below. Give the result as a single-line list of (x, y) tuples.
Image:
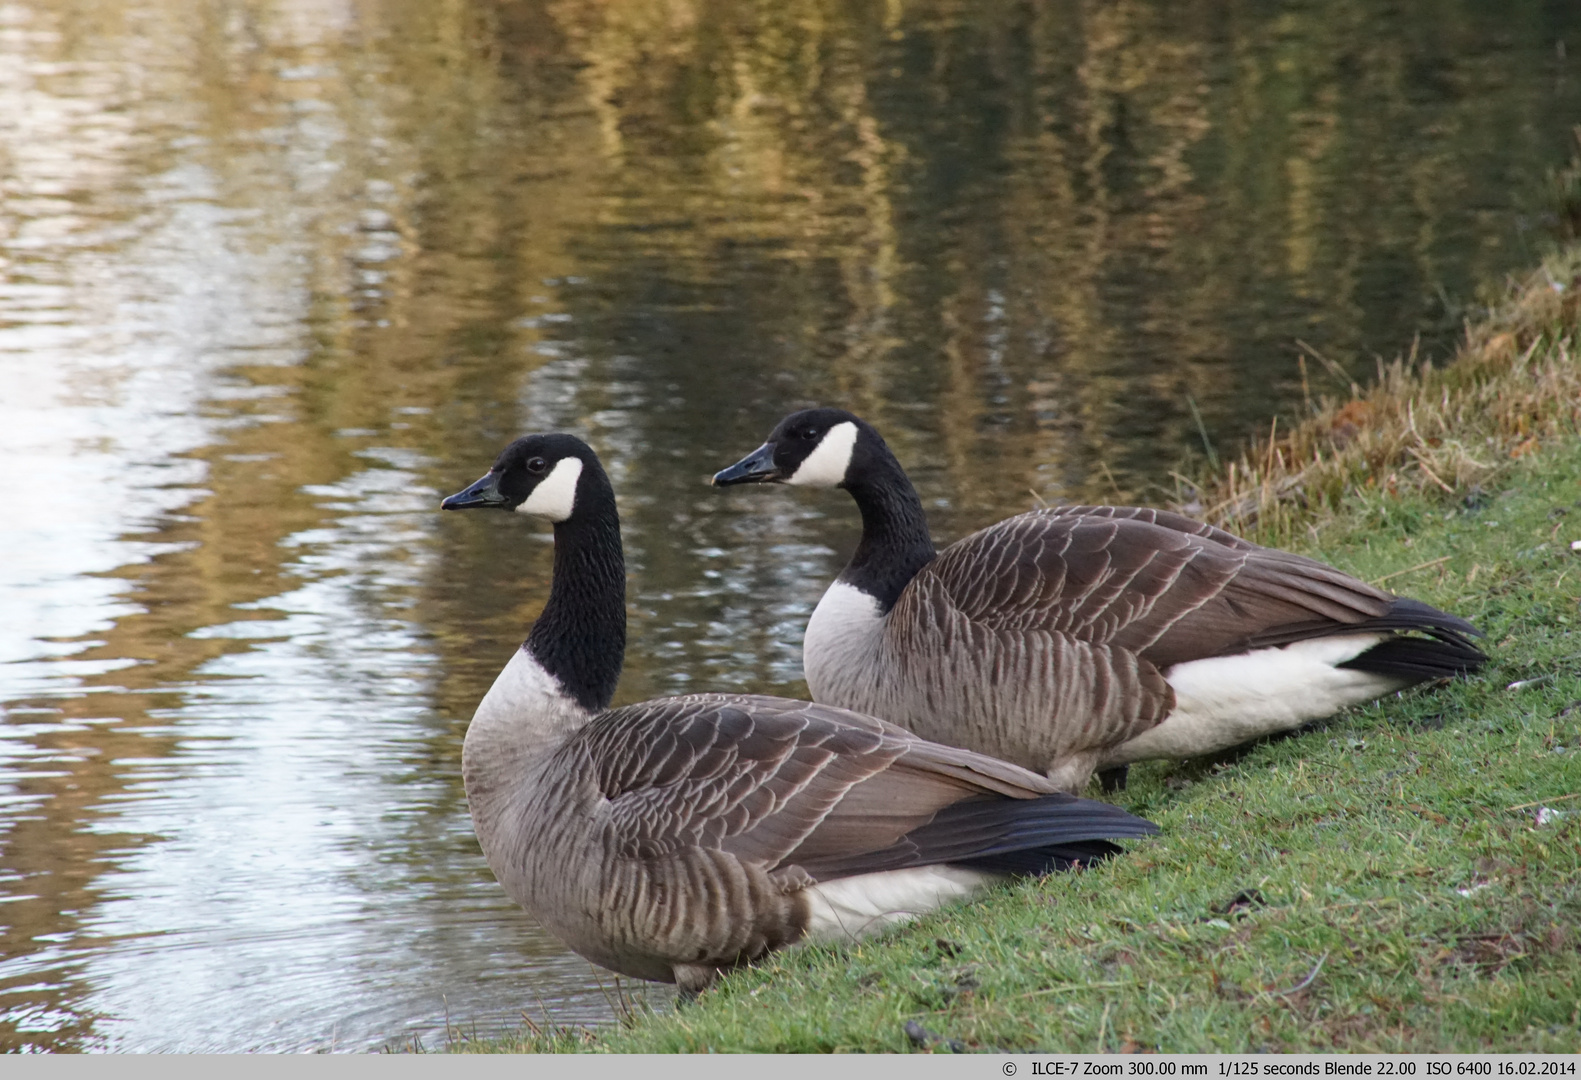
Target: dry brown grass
[(1514, 384)]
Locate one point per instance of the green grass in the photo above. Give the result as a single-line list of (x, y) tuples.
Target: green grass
[(1404, 896)]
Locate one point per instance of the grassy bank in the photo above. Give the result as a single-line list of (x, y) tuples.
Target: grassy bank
[(1404, 877), (1513, 388)]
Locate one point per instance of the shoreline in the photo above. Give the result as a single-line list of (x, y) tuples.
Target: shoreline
[(1512, 387)]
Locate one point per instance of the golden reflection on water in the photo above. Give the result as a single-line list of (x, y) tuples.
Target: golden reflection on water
[(275, 276)]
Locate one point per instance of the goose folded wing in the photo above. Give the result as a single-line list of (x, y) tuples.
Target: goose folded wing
[(987, 814), (1148, 583), (772, 781)]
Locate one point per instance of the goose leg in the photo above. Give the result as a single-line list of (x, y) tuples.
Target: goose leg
[(693, 979), (1112, 780)]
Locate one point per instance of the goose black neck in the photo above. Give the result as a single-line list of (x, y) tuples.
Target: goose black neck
[(580, 638), (895, 542)]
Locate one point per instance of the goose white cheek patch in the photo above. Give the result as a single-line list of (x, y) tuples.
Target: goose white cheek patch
[(826, 465), (555, 495)]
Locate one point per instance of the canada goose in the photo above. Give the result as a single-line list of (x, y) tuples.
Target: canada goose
[(676, 838), (1085, 637)]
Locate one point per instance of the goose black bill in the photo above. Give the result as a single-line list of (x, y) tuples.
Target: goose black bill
[(756, 468), (480, 495)]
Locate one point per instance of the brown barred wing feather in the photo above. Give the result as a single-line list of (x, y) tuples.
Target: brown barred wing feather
[(1143, 581), (773, 781), (1007, 686), (1164, 518)]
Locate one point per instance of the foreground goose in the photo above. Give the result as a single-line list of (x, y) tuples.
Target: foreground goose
[(676, 838), (1085, 637)]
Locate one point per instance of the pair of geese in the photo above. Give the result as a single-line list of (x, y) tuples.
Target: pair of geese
[(677, 838)]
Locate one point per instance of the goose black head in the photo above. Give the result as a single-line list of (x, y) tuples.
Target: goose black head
[(811, 448), (537, 474)]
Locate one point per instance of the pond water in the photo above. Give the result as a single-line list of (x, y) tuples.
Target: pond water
[(275, 276)]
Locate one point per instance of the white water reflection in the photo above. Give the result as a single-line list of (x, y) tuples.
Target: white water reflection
[(259, 844), (302, 782)]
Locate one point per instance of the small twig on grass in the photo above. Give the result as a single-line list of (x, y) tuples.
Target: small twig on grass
[(1333, 369), (1306, 982), (1411, 569), (1103, 1027), (1074, 986), (1382, 901), (548, 1017), (1202, 429), (1539, 802), (1118, 494), (602, 990), (628, 1014), (1421, 463)]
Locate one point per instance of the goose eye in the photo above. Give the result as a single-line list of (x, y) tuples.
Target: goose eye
[(536, 465)]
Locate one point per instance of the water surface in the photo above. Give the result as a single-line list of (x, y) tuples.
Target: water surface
[(274, 276)]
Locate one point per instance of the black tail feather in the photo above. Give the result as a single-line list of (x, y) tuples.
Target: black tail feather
[(1403, 615), (1018, 836), (1419, 658), (1423, 643), (1035, 862), (1407, 614), (1444, 651)]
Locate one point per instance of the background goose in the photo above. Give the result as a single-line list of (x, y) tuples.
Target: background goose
[(1085, 637), (678, 837)]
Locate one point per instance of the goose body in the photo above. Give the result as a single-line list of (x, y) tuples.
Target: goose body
[(679, 837), (1079, 638)]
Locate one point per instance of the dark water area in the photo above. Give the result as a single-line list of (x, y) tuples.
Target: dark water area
[(274, 277)]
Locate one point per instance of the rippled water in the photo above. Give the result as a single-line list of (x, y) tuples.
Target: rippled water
[(275, 276)]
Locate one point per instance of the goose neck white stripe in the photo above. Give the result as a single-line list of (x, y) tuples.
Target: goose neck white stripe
[(826, 465), (555, 495)]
